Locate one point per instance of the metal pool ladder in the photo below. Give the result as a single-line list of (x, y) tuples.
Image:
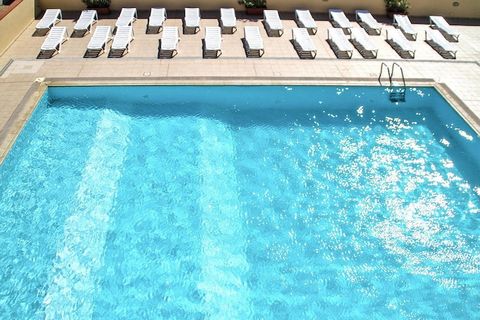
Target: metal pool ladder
[(397, 92)]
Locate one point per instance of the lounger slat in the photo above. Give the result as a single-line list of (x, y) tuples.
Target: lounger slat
[(49, 19)]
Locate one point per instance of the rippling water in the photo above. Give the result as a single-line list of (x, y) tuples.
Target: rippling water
[(241, 203)]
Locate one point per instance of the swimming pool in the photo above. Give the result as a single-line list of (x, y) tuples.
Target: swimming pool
[(239, 202)]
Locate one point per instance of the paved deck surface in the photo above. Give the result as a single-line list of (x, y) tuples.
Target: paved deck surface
[(19, 68)]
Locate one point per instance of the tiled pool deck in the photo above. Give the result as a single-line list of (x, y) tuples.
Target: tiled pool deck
[(22, 76)]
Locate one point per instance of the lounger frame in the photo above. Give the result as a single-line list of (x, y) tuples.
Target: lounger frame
[(398, 24), (93, 19), (211, 34), (377, 29), (153, 25), (448, 32), (170, 35), (360, 39), (107, 36), (254, 32), (309, 23), (273, 23), (49, 19), (436, 40), (191, 29), (348, 52), (405, 53), (345, 24), (53, 43), (299, 36), (225, 15), (120, 52)]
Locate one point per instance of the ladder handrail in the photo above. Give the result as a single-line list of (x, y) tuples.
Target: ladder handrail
[(381, 72), (401, 70)]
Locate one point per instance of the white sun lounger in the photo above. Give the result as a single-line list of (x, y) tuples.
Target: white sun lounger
[(169, 42), (438, 42), (85, 22), (191, 21), (98, 41), (121, 41), (303, 43), (127, 17), (339, 19), (398, 42), (53, 42), (363, 43), (273, 24), (213, 42), (49, 19), (339, 41), (439, 22), (367, 21), (304, 19), (156, 19), (253, 41), (404, 24), (228, 20)]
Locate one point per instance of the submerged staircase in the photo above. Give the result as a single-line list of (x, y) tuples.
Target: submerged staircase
[(397, 92)]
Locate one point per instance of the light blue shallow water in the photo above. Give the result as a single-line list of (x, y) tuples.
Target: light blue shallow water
[(241, 203)]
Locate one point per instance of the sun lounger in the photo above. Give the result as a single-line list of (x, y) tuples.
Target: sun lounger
[(253, 42), (273, 24), (191, 22), (404, 24), (49, 19), (212, 42), (304, 19), (156, 20), (169, 42), (339, 20), (121, 42), (127, 17), (303, 43), (399, 43), (438, 22), (339, 42), (85, 22), (228, 21), (98, 42), (363, 43), (438, 42), (53, 42), (367, 21)]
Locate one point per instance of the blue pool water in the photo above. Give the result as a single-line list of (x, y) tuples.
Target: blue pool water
[(240, 203)]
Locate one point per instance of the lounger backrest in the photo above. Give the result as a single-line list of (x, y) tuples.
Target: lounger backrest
[(49, 18), (228, 13), (158, 12), (404, 23), (339, 16), (192, 13), (271, 15), (128, 13)]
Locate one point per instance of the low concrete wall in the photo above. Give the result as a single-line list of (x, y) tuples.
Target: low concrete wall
[(20, 14), (447, 8)]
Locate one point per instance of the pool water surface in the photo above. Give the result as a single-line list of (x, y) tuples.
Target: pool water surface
[(241, 202)]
